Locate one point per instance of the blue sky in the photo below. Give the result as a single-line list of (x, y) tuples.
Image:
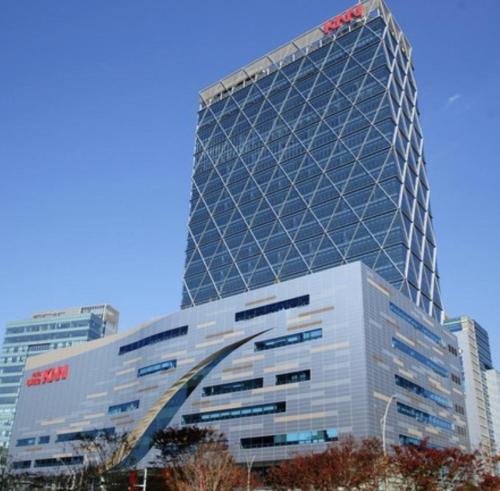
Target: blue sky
[(98, 108)]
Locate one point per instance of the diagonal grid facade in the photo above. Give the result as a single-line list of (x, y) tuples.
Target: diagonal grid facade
[(314, 163)]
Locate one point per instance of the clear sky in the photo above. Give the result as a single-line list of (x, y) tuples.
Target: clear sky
[(98, 105)]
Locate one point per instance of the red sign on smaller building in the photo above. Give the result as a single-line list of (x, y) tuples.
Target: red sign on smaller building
[(333, 24), (48, 376)]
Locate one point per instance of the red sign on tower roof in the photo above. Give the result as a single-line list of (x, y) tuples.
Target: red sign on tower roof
[(334, 23)]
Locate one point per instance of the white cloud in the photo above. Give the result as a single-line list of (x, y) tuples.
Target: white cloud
[(454, 98)]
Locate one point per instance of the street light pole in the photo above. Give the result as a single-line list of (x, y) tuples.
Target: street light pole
[(383, 422)]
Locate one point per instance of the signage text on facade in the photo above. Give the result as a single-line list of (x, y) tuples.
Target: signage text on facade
[(48, 376), (333, 24)]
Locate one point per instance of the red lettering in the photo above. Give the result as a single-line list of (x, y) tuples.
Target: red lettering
[(64, 372), (345, 18), (47, 376), (357, 11)]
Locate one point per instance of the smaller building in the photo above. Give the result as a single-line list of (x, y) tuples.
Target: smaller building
[(45, 331), (280, 370), (493, 385), (474, 345)]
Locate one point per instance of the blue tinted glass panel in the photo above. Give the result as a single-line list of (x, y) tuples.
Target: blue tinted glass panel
[(62, 461), (296, 438), (156, 367), (408, 440), (299, 337), (124, 407), (81, 435), (239, 386), (417, 389), (293, 377), (439, 369), (276, 407), (24, 442), (271, 308), (424, 417), (416, 324), (155, 338)]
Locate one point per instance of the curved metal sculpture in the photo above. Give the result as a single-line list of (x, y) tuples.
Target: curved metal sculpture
[(140, 440)]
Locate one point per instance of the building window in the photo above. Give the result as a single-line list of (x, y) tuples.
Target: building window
[(157, 367), (24, 442), (416, 324), (299, 337), (123, 408), (439, 369), (409, 440), (423, 417), (13, 369), (239, 386), (291, 303), (155, 338), (456, 379), (21, 464), (459, 409), (34, 348), (417, 389), (43, 440), (10, 390), (461, 430), (74, 460), (260, 410), (293, 377), (80, 435), (452, 350), (297, 438)]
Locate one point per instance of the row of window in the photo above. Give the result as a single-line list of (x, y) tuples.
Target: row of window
[(156, 367), (155, 338), (424, 417), (82, 435), (417, 389), (256, 383), (299, 337), (437, 368), (411, 440), (24, 442), (296, 438), (124, 407), (51, 462), (44, 327), (81, 333), (416, 324), (214, 390), (242, 412), (291, 303)]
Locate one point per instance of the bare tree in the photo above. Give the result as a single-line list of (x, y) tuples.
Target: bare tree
[(197, 459), (99, 451), (210, 468)]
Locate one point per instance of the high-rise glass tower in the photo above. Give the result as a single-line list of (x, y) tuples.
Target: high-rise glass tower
[(312, 157)]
